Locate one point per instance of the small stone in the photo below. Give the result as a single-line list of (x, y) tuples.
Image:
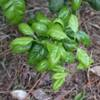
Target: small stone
[(39, 94)]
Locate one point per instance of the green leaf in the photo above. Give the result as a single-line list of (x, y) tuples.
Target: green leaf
[(83, 58), (54, 55), (37, 54), (21, 45), (62, 52), (56, 32), (3, 2), (40, 17), (14, 10), (58, 69), (79, 96), (73, 23), (57, 84), (42, 66), (70, 45), (70, 57), (59, 76), (40, 28), (59, 21), (55, 5), (64, 14), (95, 4), (76, 4), (25, 29), (83, 38)]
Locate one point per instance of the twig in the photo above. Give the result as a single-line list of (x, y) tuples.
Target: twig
[(32, 89)]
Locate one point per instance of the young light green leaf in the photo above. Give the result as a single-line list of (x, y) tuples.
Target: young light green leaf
[(83, 38), (73, 23), (64, 14), (54, 55), (57, 84), (25, 29), (39, 28), (37, 54), (59, 76), (40, 17), (14, 10), (83, 58), (76, 4), (42, 66), (59, 21), (21, 45), (58, 69), (56, 32)]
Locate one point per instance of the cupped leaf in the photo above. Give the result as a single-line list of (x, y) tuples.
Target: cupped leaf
[(39, 28), (59, 76), (64, 14), (83, 58), (95, 4), (56, 32), (70, 45), (57, 84), (54, 55), (25, 29), (76, 4), (40, 17), (83, 38), (59, 21), (58, 69), (73, 23), (21, 45), (14, 10), (80, 96), (42, 66), (55, 5), (37, 54)]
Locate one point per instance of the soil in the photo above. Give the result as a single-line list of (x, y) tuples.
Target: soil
[(15, 73)]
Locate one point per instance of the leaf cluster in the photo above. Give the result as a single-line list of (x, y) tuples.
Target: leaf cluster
[(49, 43)]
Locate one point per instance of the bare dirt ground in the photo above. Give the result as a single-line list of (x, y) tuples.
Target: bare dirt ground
[(16, 74)]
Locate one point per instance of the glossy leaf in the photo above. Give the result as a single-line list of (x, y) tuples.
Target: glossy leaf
[(56, 32), (37, 54), (54, 55), (64, 14), (40, 17), (59, 76), (57, 84), (55, 5), (73, 23), (58, 68), (83, 58), (14, 10), (70, 45), (39, 28), (42, 66), (21, 45), (95, 4), (59, 21), (83, 38), (25, 29), (76, 4)]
